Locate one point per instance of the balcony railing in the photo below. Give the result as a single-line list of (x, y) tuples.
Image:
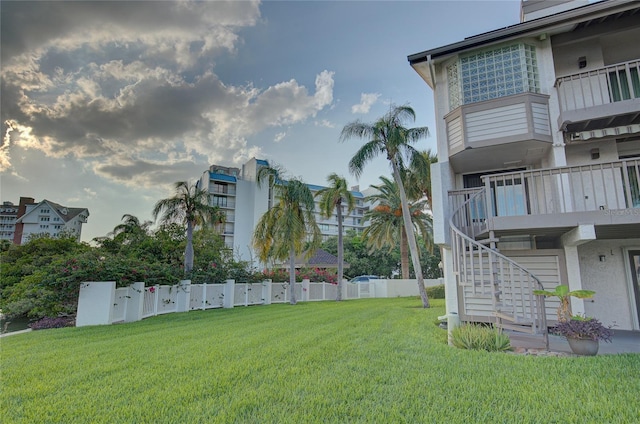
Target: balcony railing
[(583, 188), (611, 84)]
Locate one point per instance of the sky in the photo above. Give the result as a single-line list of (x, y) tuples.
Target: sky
[(105, 105)]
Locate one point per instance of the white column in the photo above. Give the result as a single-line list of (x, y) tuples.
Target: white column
[(305, 290), (573, 277), (135, 302), (229, 294), (183, 296), (266, 291), (95, 303)]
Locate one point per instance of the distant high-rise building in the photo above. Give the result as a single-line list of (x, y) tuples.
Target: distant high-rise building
[(236, 192)]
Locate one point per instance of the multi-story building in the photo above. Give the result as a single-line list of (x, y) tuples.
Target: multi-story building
[(46, 217), (8, 215), (237, 193), (538, 176)]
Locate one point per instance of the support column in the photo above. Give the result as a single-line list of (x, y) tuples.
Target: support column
[(183, 297), (583, 233), (229, 294), (95, 303), (135, 302), (266, 292)]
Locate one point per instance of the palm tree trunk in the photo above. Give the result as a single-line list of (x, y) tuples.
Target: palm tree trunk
[(292, 276), (411, 238), (188, 250), (404, 254), (340, 252)]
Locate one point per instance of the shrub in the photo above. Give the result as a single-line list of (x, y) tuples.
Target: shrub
[(586, 328), (436, 292), (52, 322), (478, 337)]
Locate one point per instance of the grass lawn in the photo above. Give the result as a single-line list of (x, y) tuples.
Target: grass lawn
[(372, 361)]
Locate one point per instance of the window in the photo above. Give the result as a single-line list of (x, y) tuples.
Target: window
[(44, 218), (219, 201), (491, 74), (44, 211)]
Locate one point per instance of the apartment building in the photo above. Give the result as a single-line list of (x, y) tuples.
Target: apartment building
[(236, 192), (8, 216), (45, 217), (538, 175)]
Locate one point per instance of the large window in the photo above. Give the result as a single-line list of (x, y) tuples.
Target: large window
[(491, 74)]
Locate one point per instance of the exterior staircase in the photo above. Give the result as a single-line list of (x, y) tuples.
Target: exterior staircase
[(482, 272)]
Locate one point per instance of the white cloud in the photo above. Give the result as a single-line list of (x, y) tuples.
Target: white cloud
[(366, 101), (279, 136), (325, 123)]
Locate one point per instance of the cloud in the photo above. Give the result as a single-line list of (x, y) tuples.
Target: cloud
[(325, 123), (278, 138), (130, 89), (366, 101)]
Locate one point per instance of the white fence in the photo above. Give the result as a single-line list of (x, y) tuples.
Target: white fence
[(101, 303)]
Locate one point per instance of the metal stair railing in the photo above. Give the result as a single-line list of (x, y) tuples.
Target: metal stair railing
[(487, 272)]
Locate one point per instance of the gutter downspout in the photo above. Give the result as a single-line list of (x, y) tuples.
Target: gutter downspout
[(431, 71)]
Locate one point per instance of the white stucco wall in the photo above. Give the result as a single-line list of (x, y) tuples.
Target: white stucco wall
[(613, 302)]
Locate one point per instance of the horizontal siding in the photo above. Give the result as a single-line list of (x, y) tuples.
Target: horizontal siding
[(454, 133), (541, 118), (499, 122)]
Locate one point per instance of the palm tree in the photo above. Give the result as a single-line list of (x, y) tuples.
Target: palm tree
[(388, 136), (282, 231), (417, 177), (332, 198), (387, 227), (189, 206), (131, 229)]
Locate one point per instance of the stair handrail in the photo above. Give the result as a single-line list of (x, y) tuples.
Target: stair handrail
[(475, 196)]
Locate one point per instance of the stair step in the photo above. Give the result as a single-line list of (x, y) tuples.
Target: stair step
[(518, 328), (512, 319), (488, 240), (524, 340)]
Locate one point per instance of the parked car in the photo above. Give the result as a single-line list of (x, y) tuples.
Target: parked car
[(364, 279)]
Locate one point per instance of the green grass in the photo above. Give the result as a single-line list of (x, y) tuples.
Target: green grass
[(373, 361)]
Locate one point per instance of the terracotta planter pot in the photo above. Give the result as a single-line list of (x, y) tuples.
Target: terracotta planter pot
[(585, 347)]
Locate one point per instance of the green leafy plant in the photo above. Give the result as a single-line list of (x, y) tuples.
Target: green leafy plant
[(562, 292), (478, 337), (436, 292)]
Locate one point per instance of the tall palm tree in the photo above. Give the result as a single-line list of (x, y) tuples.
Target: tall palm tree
[(386, 227), (332, 198), (417, 176), (189, 206), (283, 230), (131, 229), (390, 137)]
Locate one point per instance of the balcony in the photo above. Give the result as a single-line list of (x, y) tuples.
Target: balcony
[(507, 131), (554, 200), (608, 97)]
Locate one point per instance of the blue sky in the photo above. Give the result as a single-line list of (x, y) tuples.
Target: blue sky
[(106, 104)]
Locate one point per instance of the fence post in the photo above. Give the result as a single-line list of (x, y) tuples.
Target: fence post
[(266, 292), (95, 303), (203, 301), (305, 290), (345, 288), (229, 294), (183, 296), (156, 299), (135, 302)]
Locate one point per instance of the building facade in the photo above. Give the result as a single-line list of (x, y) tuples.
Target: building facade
[(538, 175), (236, 192), (45, 217), (8, 216)]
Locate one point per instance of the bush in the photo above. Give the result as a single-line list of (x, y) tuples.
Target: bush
[(436, 292), (52, 322), (478, 337)]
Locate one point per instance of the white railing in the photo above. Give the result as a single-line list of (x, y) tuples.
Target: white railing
[(583, 188), (483, 272), (599, 87)]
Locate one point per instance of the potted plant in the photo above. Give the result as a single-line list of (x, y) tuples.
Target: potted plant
[(562, 292), (584, 334)]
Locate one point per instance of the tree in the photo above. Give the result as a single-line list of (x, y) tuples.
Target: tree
[(282, 231), (332, 198), (388, 136), (386, 227), (189, 206), (417, 178), (131, 230)]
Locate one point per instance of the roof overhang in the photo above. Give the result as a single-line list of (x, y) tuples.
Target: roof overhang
[(566, 21)]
